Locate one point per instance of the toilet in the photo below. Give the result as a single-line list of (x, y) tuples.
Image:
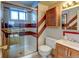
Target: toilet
[(45, 50)]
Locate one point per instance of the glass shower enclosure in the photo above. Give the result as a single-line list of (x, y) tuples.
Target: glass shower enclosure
[(20, 24)]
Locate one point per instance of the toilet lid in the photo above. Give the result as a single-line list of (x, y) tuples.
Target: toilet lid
[(44, 48)]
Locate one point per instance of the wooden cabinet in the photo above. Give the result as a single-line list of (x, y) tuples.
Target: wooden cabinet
[(65, 52), (53, 17), (74, 53), (61, 51)]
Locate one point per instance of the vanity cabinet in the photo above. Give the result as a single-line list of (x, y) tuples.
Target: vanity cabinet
[(74, 53), (53, 17), (61, 51), (65, 52)]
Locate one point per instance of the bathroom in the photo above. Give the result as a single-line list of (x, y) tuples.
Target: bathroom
[(30, 27)]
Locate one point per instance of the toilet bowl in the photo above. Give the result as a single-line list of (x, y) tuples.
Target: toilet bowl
[(45, 50)]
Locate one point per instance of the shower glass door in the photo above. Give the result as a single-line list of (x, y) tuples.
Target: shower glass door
[(21, 41)]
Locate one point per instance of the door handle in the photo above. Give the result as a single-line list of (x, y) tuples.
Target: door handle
[(4, 47)]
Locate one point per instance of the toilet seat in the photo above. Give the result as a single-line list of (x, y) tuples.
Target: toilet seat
[(45, 48)]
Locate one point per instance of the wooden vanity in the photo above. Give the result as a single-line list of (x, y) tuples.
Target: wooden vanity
[(66, 49)]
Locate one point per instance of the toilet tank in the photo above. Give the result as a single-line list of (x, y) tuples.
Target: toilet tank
[(51, 42)]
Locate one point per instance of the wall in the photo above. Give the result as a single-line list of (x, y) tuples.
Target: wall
[(50, 32), (41, 12), (58, 32), (55, 32), (78, 21), (72, 37)]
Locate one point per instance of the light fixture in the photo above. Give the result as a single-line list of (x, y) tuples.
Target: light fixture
[(65, 5), (68, 4)]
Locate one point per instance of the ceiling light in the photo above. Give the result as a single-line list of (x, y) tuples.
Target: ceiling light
[(70, 3), (65, 5)]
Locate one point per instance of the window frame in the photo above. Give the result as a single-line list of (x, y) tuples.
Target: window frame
[(18, 15), (10, 14), (33, 14)]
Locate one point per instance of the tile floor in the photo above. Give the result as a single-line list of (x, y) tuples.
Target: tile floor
[(34, 55)]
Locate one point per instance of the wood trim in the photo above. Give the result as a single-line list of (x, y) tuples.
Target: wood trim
[(64, 32), (30, 25), (73, 26), (25, 25), (29, 33), (41, 21), (22, 33), (41, 30), (74, 18), (30, 8)]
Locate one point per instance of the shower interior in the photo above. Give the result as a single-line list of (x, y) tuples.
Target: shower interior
[(25, 46), (19, 44)]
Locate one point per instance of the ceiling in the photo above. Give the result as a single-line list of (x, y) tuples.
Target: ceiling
[(49, 3), (28, 3), (31, 3)]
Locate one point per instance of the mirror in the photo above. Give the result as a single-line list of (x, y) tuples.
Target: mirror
[(64, 19), (70, 19)]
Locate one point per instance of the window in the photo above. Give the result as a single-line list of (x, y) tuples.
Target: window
[(11, 22), (14, 15), (26, 16), (21, 15), (18, 15), (34, 17)]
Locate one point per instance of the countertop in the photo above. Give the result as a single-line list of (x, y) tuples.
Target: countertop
[(69, 44)]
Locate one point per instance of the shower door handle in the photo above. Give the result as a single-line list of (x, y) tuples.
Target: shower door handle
[(4, 47)]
